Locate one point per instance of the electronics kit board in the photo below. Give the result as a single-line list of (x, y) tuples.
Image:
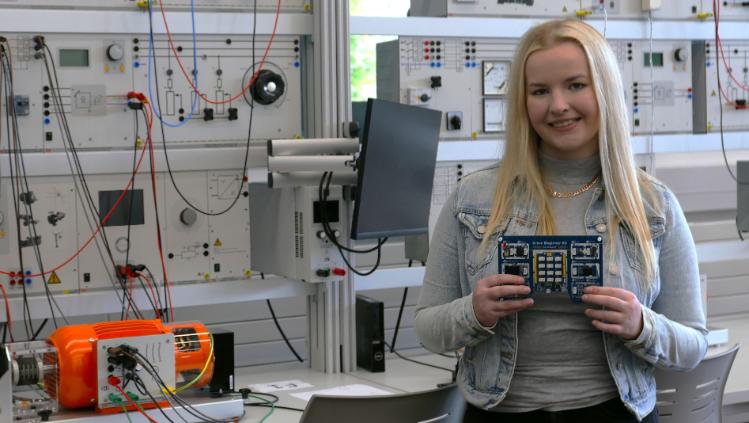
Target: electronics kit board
[(553, 264)]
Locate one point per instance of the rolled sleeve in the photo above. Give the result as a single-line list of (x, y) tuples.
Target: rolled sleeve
[(445, 319)]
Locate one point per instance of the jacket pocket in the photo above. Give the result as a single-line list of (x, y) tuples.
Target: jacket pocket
[(657, 229), (474, 227), (483, 373)]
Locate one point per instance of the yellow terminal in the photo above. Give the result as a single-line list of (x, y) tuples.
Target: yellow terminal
[(704, 15), (583, 13)]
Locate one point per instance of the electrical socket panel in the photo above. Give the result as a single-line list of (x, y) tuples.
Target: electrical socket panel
[(589, 9), (97, 72), (447, 74), (467, 80), (735, 86), (54, 214), (671, 93), (197, 248)]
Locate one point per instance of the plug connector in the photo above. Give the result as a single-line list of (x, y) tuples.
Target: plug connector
[(648, 5)]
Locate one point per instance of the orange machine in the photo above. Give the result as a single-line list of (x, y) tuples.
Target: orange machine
[(77, 355)]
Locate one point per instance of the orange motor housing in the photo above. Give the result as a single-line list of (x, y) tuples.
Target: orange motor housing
[(77, 356)]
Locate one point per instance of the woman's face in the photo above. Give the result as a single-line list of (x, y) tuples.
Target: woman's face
[(561, 103)]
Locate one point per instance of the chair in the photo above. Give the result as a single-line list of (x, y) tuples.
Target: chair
[(441, 405), (695, 396)]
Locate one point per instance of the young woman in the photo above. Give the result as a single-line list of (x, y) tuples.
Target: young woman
[(567, 169)]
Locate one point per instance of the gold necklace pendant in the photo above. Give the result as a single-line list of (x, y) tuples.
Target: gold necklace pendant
[(574, 193)]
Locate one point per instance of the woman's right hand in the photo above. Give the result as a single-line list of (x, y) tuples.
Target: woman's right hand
[(490, 298)]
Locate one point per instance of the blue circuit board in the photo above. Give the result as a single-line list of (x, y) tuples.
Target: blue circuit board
[(553, 263)]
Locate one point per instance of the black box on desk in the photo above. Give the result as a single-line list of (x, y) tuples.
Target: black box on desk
[(370, 334), (223, 366)]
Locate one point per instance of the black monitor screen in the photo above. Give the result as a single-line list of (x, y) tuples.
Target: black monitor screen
[(396, 170)]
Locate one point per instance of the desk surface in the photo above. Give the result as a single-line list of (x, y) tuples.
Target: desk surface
[(405, 376), (401, 376)]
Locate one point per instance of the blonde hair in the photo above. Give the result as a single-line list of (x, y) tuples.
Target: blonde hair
[(519, 176)]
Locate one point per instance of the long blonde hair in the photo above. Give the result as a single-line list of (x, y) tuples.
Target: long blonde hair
[(519, 176)]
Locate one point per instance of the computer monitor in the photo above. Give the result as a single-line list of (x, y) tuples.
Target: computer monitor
[(395, 170)]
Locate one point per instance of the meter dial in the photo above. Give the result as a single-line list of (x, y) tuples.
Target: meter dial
[(494, 115), (496, 77)]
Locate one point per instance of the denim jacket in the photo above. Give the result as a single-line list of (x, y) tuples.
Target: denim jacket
[(674, 332)]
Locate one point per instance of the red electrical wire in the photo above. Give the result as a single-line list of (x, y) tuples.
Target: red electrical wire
[(147, 282), (7, 313), (158, 228), (189, 78), (719, 46), (130, 295), (140, 410), (104, 220)]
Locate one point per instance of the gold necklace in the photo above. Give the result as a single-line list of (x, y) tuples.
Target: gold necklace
[(574, 193)]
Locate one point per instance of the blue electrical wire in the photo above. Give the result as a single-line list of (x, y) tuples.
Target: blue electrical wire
[(152, 54)]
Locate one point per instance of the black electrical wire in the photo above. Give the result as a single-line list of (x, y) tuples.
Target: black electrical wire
[(29, 209), (28, 325), (54, 87), (718, 50), (273, 398), (163, 132), (158, 219), (165, 304), (39, 329), (141, 386), (67, 137), (130, 207), (278, 407), (400, 315), (151, 370), (155, 303), (143, 389), (278, 326), (280, 330), (323, 196)]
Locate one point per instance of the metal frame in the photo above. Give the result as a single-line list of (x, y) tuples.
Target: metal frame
[(332, 331)]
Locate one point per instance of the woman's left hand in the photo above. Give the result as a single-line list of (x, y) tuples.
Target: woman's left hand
[(622, 313)]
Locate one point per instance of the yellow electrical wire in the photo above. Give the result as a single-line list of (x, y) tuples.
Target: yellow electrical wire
[(202, 372)]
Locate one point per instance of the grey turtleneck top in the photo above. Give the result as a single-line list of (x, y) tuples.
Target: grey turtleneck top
[(561, 363)]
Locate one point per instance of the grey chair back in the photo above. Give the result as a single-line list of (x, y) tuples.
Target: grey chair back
[(441, 405), (695, 396)]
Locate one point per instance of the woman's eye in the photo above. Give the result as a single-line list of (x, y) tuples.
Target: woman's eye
[(575, 86), (540, 91)]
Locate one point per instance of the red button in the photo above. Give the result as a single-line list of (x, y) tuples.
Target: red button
[(339, 272)]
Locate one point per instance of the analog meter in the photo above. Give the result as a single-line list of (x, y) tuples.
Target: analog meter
[(494, 115), (496, 77)]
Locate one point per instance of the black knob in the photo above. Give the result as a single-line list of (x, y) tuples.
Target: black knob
[(436, 81), (456, 122), (268, 87), (424, 98)]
